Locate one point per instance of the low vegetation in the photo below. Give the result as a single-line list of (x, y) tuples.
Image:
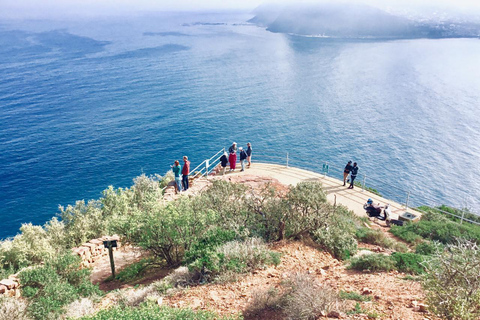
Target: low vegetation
[(55, 284), (301, 298), (152, 312), (452, 281)]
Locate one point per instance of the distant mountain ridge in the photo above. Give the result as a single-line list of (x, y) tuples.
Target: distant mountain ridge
[(342, 20)]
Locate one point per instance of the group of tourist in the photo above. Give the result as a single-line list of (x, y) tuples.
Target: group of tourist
[(181, 174), (245, 155), (351, 170)]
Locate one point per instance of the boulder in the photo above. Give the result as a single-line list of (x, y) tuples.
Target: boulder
[(10, 284)]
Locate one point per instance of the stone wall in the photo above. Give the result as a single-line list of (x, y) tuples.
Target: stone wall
[(94, 249), (89, 252)]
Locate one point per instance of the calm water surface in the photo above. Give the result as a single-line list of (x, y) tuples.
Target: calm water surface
[(91, 103)]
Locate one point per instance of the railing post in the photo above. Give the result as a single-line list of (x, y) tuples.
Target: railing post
[(463, 211), (287, 159), (406, 201), (363, 185), (207, 164)]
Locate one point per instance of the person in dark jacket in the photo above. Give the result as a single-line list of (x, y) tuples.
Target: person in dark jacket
[(346, 171), (223, 162), (185, 172), (353, 174), (249, 154), (243, 157), (232, 157)]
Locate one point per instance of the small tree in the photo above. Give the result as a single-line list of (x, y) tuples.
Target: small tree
[(307, 207), (452, 281)]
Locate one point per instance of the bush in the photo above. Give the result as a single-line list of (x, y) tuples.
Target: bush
[(436, 227), (375, 237), (235, 257), (263, 300), (355, 296), (409, 262), (133, 271), (452, 281), (428, 248), (152, 312), (307, 209), (306, 298), (54, 285), (405, 234), (373, 262), (168, 232), (339, 237)]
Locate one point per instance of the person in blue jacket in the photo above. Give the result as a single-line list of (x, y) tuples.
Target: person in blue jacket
[(353, 174)]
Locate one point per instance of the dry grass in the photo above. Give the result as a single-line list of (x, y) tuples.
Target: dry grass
[(79, 308), (307, 298), (302, 298), (13, 308), (263, 300)]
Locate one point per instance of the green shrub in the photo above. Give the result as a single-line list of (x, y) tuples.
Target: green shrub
[(133, 271), (405, 234), (55, 284), (350, 295), (307, 209), (452, 281), (373, 262), (409, 262), (428, 247), (375, 237), (339, 237), (234, 256), (152, 312), (436, 227)]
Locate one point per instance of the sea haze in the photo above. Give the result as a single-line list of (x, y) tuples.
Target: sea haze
[(85, 104)]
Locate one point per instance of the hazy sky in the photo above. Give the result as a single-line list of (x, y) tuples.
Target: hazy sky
[(19, 8)]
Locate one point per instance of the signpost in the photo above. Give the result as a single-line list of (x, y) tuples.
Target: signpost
[(110, 244)]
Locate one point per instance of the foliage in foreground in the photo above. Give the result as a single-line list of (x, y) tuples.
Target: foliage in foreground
[(452, 281), (153, 312), (55, 284)]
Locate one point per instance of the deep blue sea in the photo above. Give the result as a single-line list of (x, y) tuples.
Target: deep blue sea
[(88, 103)]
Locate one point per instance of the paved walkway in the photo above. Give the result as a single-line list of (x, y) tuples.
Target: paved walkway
[(353, 199)]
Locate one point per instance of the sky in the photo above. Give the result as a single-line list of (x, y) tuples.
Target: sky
[(38, 8)]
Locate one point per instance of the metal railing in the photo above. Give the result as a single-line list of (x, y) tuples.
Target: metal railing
[(206, 166), (405, 197)]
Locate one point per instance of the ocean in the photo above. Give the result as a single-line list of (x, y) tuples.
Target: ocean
[(88, 103)]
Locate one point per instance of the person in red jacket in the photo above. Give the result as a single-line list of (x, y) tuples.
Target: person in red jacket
[(185, 172)]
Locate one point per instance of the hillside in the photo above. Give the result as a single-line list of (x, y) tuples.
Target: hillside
[(341, 20)]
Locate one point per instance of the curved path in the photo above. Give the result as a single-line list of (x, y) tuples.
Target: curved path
[(353, 199)]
